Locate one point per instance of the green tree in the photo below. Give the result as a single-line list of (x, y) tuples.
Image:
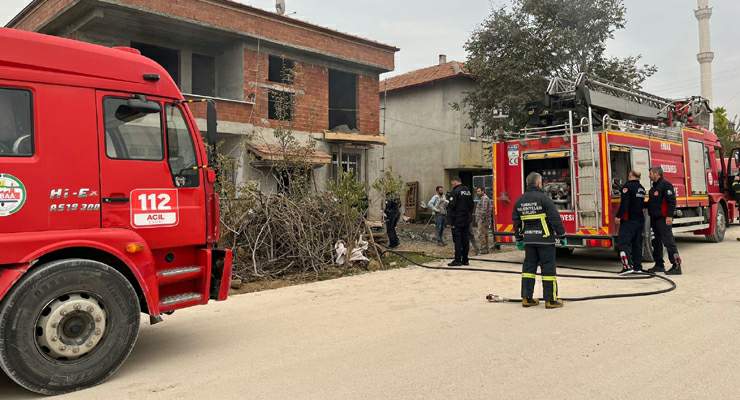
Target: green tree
[(724, 129), (520, 46)]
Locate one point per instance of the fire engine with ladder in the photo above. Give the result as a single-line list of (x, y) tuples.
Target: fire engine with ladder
[(585, 138)]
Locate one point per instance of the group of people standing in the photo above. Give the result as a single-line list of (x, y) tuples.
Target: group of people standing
[(459, 210), (661, 206), (538, 227)]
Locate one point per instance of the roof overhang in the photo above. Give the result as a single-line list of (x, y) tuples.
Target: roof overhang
[(267, 155), (355, 138)]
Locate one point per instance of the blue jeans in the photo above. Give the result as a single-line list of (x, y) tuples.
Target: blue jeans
[(439, 223)]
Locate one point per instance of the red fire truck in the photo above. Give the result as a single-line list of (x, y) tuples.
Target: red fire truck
[(107, 208), (586, 137)]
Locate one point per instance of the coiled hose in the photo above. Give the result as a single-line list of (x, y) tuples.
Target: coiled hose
[(499, 299)]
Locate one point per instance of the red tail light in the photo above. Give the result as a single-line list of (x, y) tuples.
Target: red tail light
[(604, 243), (505, 239)]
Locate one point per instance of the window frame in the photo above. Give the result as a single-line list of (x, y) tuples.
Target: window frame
[(32, 119), (191, 141), (162, 132), (337, 165), (214, 75), (283, 61), (291, 96)]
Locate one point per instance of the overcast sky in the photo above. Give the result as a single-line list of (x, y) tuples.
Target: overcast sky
[(664, 31)]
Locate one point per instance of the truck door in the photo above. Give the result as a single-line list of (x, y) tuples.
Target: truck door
[(641, 162), (698, 167), (150, 176)]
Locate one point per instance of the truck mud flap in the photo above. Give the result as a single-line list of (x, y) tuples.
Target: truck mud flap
[(221, 263)]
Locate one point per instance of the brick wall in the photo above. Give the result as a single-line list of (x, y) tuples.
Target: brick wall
[(369, 103), (311, 109), (237, 18), (312, 81), (40, 15)]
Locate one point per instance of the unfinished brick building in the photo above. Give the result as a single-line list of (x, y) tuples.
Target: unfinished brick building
[(235, 54)]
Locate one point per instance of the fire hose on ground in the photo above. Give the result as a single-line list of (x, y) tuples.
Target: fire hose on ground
[(494, 298)]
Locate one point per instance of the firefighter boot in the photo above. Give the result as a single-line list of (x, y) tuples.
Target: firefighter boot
[(626, 267), (676, 269), (657, 268), (526, 303), (554, 304)]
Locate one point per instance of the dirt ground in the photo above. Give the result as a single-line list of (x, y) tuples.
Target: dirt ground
[(415, 333)]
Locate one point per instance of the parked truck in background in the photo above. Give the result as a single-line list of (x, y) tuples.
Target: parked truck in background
[(107, 208), (585, 139)]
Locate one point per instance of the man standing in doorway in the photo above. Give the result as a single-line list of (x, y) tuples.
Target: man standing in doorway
[(483, 216), (536, 225), (661, 206), (631, 222), (459, 217), (438, 205)]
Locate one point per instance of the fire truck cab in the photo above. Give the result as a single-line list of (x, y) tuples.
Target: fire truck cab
[(587, 138), (107, 208)]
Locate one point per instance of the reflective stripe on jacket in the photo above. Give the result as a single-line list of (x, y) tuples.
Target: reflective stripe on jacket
[(536, 218)]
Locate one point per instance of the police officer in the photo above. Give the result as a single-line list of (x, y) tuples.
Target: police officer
[(661, 206), (459, 217), (631, 224), (537, 223)]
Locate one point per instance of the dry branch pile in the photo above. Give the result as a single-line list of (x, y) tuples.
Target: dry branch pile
[(276, 235)]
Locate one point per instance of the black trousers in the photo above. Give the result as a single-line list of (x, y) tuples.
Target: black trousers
[(630, 242), (663, 237), (543, 256), (390, 227), (461, 237)]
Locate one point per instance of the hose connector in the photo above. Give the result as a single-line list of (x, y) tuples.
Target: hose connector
[(494, 298)]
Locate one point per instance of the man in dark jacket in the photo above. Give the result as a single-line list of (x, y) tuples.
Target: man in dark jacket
[(661, 206), (459, 218), (392, 215), (631, 224), (537, 224)]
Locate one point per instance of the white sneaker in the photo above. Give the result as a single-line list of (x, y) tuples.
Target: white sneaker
[(626, 271)]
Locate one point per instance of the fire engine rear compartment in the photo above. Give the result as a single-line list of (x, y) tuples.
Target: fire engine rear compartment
[(556, 176)]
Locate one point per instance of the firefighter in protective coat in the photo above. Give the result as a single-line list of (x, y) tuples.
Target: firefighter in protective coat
[(537, 225), (631, 224), (661, 207)]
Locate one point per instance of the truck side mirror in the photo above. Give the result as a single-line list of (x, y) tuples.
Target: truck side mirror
[(212, 123)]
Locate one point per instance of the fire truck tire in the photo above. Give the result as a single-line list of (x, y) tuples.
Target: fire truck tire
[(67, 325), (720, 226)]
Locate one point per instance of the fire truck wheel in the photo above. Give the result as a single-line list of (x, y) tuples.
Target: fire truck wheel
[(720, 226), (647, 242), (563, 252), (67, 325)]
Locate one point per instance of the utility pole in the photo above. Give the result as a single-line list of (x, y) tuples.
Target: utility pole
[(705, 57)]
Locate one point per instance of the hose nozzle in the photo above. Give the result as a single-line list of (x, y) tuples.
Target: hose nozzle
[(494, 298)]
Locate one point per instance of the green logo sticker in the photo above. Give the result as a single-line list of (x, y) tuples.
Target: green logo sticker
[(12, 195)]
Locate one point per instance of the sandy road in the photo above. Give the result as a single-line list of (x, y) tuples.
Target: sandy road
[(420, 334)]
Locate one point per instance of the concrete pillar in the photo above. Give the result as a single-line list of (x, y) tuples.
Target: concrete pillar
[(706, 56), (186, 71)]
